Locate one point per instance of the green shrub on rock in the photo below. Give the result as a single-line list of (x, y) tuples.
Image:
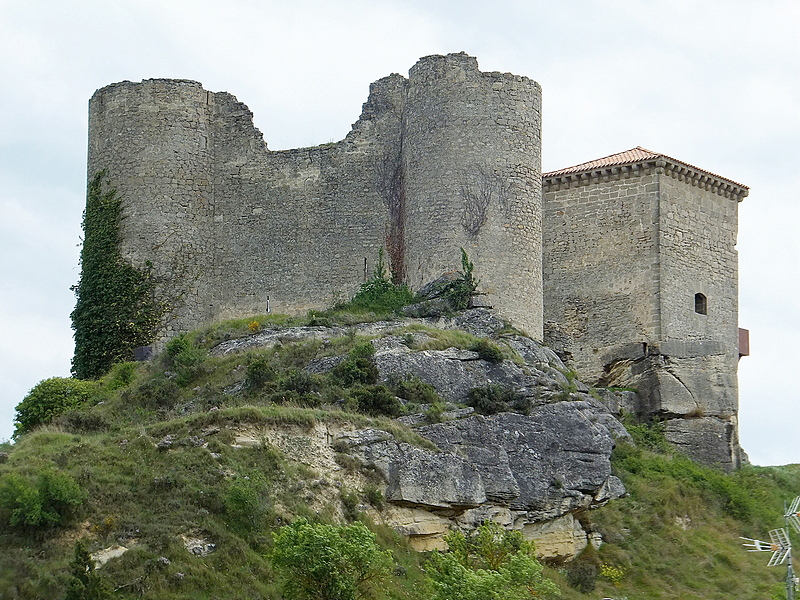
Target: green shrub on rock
[(413, 389), (488, 350), (358, 368), (376, 400), (492, 563), (380, 294), (491, 399)]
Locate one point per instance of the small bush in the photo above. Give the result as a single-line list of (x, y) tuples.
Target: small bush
[(175, 346), (120, 376), (358, 368), (349, 505), (82, 421), (85, 582), (158, 393), (363, 350), (522, 404), (612, 573), (299, 381), (459, 293), (379, 294), (48, 500), (374, 496), (245, 502), (185, 359), (259, 374), (491, 399), (488, 350), (413, 389), (435, 413), (325, 562), (318, 319), (582, 576), (376, 400), (48, 399), (490, 564)]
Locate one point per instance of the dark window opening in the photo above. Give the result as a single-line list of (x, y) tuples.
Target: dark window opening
[(700, 304)]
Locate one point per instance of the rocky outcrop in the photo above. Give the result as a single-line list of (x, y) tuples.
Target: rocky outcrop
[(533, 470), (520, 470)]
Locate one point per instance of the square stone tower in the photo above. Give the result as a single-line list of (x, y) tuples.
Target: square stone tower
[(640, 283)]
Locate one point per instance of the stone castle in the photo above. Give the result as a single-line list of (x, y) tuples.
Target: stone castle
[(626, 265)]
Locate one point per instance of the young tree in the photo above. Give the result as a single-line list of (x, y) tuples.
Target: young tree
[(85, 583), (491, 564), (49, 499), (326, 562), (48, 399)]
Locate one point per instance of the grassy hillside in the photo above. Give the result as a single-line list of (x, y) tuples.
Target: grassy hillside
[(169, 452), (677, 533)]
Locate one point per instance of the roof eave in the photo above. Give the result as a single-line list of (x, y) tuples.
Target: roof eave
[(660, 164)]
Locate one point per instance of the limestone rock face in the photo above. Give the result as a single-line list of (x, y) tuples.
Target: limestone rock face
[(557, 539), (452, 372), (518, 470), (533, 470), (547, 463), (703, 439)]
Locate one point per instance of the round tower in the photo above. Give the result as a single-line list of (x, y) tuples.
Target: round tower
[(471, 156), (153, 140)]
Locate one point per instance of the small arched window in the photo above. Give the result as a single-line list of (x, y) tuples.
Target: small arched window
[(700, 304)]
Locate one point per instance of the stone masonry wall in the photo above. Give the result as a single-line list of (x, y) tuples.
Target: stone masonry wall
[(446, 159), (601, 268), (698, 382)]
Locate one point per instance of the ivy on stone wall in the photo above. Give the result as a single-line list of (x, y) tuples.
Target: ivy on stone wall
[(117, 309)]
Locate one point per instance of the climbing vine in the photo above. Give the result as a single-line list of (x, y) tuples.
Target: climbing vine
[(392, 188), (478, 187), (117, 309)]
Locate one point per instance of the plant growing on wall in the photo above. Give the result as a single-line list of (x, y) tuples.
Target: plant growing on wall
[(116, 309), (379, 293), (461, 291)]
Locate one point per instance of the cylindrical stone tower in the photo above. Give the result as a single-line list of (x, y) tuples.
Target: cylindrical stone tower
[(471, 157), (154, 140)]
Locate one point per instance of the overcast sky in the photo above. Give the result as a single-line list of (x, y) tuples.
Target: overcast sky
[(715, 83)]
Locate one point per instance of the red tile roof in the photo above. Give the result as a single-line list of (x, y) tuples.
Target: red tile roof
[(629, 157), (634, 155)]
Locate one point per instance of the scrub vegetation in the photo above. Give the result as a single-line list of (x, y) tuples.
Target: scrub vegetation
[(150, 455)]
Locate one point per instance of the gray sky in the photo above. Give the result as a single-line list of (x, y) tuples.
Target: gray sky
[(715, 83)]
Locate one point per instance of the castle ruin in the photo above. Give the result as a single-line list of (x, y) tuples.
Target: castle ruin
[(626, 265)]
